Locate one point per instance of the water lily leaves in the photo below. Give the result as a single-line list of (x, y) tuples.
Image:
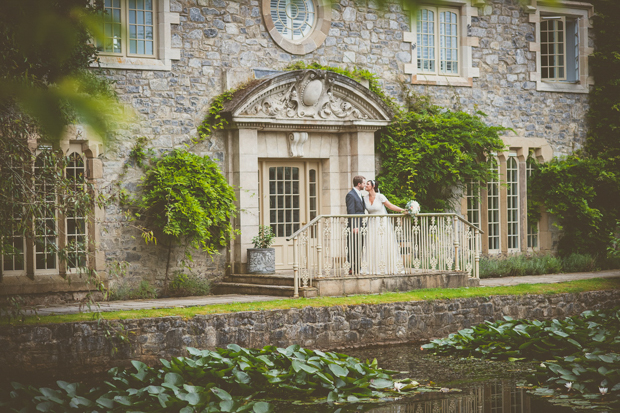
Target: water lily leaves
[(173, 380), (105, 402), (382, 384), (222, 394), (261, 407), (338, 371)]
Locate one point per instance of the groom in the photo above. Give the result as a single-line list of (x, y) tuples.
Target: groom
[(355, 205)]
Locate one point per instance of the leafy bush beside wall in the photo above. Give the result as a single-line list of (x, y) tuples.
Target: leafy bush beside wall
[(188, 199)]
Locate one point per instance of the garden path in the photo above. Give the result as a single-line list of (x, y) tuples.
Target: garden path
[(237, 298)]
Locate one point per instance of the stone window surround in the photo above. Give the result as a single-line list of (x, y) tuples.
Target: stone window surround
[(75, 140), (584, 11), (466, 71), (309, 43), (520, 147), (164, 53)]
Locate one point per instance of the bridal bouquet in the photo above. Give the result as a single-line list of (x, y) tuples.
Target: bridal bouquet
[(413, 207)]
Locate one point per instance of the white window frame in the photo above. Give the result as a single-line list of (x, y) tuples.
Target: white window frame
[(465, 10), (473, 205), (533, 231), (311, 41), (498, 223), (164, 54), (125, 40), (582, 12), (513, 204), (437, 40), (88, 154)]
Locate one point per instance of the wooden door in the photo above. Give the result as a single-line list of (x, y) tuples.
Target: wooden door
[(289, 200)]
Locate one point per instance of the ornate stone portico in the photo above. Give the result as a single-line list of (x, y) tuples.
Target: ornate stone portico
[(316, 126)]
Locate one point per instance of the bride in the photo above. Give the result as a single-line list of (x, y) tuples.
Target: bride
[(381, 251)]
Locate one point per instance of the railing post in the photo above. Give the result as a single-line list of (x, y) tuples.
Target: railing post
[(455, 234), (319, 249), (477, 255), (295, 269)]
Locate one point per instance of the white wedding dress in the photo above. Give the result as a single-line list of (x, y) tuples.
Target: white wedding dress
[(381, 249)]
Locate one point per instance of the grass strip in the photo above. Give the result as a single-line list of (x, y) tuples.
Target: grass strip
[(594, 284)]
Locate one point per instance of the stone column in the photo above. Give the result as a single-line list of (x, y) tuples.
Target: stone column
[(356, 152), (245, 179), (363, 154)]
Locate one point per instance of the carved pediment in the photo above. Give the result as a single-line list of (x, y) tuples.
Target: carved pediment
[(309, 95)]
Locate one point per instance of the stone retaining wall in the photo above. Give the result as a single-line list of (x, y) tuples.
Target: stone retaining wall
[(79, 349)]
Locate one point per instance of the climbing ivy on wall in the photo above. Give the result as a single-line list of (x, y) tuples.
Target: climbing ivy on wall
[(583, 190), (428, 156)]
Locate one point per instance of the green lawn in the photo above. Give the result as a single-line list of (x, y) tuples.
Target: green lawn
[(595, 284)]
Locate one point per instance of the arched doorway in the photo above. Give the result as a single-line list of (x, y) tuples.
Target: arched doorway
[(295, 140)]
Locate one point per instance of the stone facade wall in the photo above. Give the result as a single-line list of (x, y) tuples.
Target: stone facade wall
[(79, 349), (221, 41)]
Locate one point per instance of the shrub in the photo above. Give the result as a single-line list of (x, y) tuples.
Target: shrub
[(125, 290), (518, 265), (188, 285)]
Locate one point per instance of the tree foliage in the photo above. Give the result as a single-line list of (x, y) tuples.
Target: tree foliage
[(46, 84), (429, 154), (583, 190), (46, 52)]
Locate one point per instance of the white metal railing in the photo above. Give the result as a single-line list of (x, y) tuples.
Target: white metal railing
[(358, 245)]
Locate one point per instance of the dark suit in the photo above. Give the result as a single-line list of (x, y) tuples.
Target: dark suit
[(355, 205)]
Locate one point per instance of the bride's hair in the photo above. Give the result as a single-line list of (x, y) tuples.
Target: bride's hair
[(374, 184)]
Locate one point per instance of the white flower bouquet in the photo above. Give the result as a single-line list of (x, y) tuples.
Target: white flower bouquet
[(413, 207)]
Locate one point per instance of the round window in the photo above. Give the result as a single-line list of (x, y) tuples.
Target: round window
[(293, 19), (297, 26)]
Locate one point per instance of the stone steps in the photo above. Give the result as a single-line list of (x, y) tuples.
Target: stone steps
[(268, 279), (252, 284)]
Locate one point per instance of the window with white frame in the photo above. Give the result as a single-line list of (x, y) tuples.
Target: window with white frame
[(76, 219), (532, 227), (294, 19), (493, 210), (562, 46), (473, 204), (512, 209), (129, 28), (56, 229), (559, 48), (438, 41)]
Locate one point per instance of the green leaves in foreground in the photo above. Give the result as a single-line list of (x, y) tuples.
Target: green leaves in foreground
[(225, 380), (580, 355)]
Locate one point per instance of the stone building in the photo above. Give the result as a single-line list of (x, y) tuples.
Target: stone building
[(525, 66)]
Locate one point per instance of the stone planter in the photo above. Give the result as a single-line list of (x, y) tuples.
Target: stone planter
[(261, 260)]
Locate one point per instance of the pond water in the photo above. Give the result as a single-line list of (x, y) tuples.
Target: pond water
[(486, 386)]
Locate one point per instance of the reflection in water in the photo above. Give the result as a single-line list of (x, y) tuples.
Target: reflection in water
[(497, 396)]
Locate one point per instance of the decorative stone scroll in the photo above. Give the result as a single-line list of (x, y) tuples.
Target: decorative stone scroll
[(296, 141), (311, 96)]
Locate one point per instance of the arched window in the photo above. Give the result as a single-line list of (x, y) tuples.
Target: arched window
[(56, 242), (45, 226), (512, 209), (532, 227), (493, 209), (294, 19), (75, 216)]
